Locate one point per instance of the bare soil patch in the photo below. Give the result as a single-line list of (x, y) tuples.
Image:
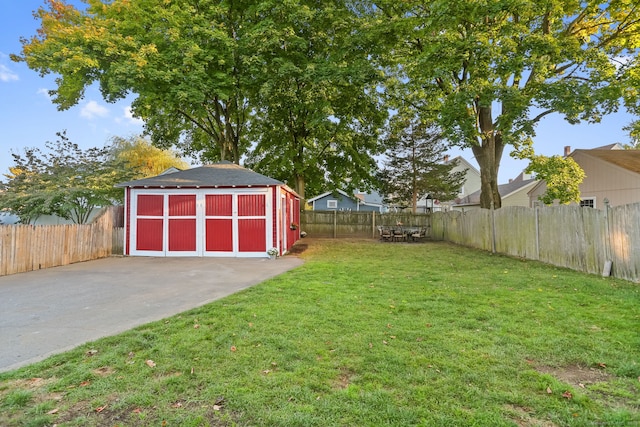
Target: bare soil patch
[(579, 376)]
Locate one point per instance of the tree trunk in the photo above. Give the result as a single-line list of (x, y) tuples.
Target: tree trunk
[(300, 186), (488, 156)]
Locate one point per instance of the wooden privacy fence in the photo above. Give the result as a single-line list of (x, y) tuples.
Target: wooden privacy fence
[(582, 239), (339, 224), (28, 247)]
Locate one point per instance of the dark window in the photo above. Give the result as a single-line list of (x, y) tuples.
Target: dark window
[(588, 203)]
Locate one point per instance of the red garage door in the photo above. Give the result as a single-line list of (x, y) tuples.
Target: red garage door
[(149, 222), (252, 229), (182, 223), (219, 222)]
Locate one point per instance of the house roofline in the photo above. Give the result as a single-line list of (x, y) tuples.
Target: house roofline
[(325, 194)]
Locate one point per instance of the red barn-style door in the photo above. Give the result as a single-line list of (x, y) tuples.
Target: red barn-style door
[(236, 224), (182, 225), (252, 223)]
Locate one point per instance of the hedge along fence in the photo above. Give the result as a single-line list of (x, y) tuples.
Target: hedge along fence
[(32, 247), (582, 239)]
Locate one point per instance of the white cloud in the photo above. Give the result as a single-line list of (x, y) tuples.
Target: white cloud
[(128, 116), (44, 92), (6, 75), (92, 109)]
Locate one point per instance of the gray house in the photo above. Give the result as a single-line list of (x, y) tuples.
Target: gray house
[(342, 201)]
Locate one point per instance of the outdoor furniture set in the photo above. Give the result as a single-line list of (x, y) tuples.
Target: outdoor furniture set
[(400, 233)]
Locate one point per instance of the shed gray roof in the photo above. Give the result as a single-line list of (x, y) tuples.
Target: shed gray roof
[(223, 174)]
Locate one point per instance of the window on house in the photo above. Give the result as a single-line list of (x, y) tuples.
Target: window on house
[(588, 202), (332, 204)]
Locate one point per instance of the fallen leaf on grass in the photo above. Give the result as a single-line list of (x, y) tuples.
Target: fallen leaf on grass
[(602, 365), (137, 411), (217, 407), (85, 383), (567, 394), (384, 342), (177, 405), (549, 391), (233, 348), (371, 346), (150, 363), (53, 411), (91, 353), (101, 408), (196, 326)]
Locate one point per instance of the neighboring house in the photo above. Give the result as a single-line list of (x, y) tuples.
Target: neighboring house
[(515, 193), (221, 209), (471, 185), (611, 173), (342, 201)]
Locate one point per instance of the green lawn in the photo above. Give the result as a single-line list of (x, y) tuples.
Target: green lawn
[(363, 334)]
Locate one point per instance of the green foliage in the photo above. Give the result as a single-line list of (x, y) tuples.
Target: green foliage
[(414, 168), (317, 112), (65, 181), (296, 73), (634, 135), (139, 155), (562, 176), (490, 71)]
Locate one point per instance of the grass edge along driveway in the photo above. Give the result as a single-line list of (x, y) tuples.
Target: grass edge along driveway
[(363, 334)]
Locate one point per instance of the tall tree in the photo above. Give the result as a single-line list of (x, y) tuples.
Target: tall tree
[(414, 168), (66, 181), (317, 112), (186, 61), (491, 70)]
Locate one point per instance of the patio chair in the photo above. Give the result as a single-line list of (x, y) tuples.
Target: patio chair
[(418, 234), (385, 234), (399, 234)]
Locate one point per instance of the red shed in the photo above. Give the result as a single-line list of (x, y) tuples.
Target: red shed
[(216, 210)]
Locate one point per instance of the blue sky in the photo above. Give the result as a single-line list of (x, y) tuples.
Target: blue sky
[(28, 118)]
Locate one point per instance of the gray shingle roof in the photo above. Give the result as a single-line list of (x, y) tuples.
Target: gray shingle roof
[(503, 189), (223, 174)]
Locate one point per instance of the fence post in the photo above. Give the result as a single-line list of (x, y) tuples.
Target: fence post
[(606, 269), (373, 224), (537, 219), (493, 229)]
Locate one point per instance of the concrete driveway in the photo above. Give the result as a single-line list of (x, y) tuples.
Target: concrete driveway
[(49, 311)]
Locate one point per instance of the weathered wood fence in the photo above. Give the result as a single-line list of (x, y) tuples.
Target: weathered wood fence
[(582, 239), (32, 247)]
